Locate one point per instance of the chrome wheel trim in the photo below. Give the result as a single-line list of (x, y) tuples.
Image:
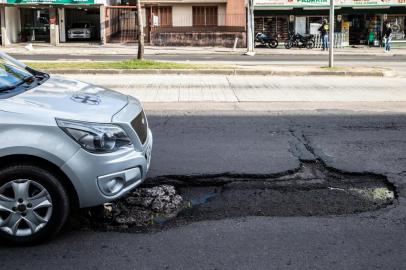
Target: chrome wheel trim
[(25, 207)]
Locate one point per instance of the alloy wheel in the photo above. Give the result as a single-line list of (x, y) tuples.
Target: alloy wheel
[(25, 207)]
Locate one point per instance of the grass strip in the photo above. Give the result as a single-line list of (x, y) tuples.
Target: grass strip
[(126, 64)]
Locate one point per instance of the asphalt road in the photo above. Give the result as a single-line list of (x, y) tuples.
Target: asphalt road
[(190, 143), (394, 62)]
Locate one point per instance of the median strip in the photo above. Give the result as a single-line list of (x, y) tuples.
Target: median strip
[(134, 66)]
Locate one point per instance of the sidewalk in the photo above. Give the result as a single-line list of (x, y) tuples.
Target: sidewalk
[(131, 49), (241, 89), (258, 93)]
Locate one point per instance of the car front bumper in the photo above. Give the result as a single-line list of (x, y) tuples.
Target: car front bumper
[(100, 178), (79, 36)]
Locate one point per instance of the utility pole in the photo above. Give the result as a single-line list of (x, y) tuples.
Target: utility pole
[(140, 54), (250, 28), (331, 36)]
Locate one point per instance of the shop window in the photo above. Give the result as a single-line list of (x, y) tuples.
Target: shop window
[(397, 24), (205, 16), (164, 15), (34, 25), (274, 26)]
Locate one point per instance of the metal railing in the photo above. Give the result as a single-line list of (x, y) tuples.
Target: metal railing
[(121, 25), (340, 40)]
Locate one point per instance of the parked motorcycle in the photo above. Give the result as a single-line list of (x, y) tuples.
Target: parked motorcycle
[(265, 39), (300, 41)]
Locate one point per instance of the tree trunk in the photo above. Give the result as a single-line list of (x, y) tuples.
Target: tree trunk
[(140, 55)]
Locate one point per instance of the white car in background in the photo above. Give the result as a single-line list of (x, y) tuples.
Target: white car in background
[(81, 30)]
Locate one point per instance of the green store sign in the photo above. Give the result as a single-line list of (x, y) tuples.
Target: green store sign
[(312, 1), (61, 2)]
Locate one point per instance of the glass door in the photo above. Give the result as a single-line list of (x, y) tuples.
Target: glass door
[(35, 25)]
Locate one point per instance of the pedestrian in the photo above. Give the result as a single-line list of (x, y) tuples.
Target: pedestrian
[(387, 37), (324, 28)]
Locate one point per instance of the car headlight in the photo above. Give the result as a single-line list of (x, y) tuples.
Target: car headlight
[(87, 31), (95, 138)]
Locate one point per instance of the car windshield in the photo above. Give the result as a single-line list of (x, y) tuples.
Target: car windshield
[(80, 25), (11, 75)]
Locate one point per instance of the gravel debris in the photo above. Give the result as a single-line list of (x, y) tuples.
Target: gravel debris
[(144, 206)]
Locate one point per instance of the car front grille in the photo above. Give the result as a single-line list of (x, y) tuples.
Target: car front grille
[(140, 126)]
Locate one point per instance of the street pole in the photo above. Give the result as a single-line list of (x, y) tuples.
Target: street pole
[(250, 28), (140, 54), (331, 36)]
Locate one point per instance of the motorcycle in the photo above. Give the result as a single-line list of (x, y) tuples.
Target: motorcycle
[(300, 41), (265, 39)]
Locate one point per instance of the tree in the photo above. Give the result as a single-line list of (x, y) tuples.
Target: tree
[(140, 54)]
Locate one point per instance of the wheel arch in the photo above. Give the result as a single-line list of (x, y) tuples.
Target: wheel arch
[(46, 164)]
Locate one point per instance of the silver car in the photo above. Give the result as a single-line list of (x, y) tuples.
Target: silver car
[(81, 30), (63, 144)]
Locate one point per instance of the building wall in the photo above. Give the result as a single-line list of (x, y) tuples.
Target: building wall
[(13, 24), (235, 13), (195, 38)]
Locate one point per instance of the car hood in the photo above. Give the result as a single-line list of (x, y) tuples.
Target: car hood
[(69, 99)]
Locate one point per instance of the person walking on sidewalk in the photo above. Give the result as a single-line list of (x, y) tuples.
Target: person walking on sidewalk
[(324, 28), (387, 37)]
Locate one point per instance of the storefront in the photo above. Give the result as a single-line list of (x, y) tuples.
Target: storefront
[(50, 21), (35, 25), (357, 22)]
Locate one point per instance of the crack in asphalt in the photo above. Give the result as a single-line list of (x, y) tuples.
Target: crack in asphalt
[(311, 189), (304, 151)]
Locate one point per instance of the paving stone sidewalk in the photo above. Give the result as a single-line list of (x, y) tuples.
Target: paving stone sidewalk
[(240, 89)]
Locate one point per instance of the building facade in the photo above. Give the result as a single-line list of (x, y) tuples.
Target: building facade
[(167, 22), (49, 20), (357, 22), (196, 22)]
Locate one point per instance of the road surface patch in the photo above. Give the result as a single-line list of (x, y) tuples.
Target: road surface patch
[(313, 190)]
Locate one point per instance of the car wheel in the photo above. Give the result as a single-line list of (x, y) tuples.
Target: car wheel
[(33, 204)]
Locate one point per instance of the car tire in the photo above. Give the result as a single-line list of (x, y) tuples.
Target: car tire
[(38, 192)]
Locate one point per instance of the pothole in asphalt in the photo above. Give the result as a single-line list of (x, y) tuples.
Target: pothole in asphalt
[(313, 190)]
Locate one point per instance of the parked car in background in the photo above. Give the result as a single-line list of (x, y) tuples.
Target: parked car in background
[(82, 30), (64, 144)]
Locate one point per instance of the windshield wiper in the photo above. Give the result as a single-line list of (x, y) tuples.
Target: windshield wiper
[(11, 87)]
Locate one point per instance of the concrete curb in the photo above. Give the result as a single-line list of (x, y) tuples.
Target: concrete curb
[(377, 73)]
